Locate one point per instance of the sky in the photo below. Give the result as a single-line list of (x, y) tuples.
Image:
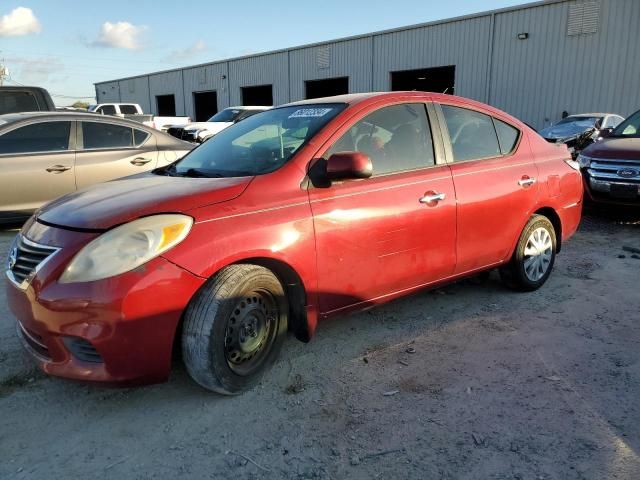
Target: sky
[(66, 46)]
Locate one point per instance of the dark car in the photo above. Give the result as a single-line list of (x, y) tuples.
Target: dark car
[(611, 166), (25, 99), (44, 155)]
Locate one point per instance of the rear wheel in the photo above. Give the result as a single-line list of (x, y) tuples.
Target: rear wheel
[(234, 328), (534, 256)]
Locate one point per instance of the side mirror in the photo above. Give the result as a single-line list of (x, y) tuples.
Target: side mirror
[(348, 166), (605, 132)]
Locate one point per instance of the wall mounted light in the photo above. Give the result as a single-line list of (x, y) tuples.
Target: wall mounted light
[(523, 36)]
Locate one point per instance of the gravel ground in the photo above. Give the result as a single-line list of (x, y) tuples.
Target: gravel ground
[(500, 385)]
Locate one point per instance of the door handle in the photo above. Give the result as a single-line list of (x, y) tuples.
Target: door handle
[(432, 197), (58, 168), (138, 162), (526, 181)]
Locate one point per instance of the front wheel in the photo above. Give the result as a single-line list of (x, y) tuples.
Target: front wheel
[(534, 256), (234, 328)]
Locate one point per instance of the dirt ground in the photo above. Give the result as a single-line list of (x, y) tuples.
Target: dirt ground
[(500, 385)]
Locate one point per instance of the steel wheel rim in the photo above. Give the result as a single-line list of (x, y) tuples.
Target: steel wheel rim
[(538, 253), (250, 332)]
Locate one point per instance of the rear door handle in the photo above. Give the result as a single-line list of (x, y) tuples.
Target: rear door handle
[(58, 168), (526, 181), (138, 162), (432, 197)]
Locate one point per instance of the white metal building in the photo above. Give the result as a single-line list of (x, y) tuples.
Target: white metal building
[(534, 61)]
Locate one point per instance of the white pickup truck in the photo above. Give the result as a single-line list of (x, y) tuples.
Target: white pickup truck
[(133, 111)]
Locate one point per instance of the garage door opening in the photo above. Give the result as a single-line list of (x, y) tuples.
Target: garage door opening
[(166, 105), (438, 79), (326, 88), (261, 95), (205, 105)]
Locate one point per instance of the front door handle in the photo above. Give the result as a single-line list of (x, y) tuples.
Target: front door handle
[(58, 168), (138, 162), (526, 181), (432, 198)]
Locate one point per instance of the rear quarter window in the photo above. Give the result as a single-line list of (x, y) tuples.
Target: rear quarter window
[(508, 136)]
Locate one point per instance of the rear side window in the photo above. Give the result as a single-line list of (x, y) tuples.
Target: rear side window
[(139, 137), (507, 136), (107, 110), (396, 139), (37, 138), (128, 109), (105, 135), (472, 134), (15, 102)]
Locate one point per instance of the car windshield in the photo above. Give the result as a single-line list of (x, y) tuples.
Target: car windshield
[(629, 128), (260, 144), (585, 122), (226, 115)]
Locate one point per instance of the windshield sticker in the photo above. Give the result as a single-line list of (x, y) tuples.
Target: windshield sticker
[(310, 112)]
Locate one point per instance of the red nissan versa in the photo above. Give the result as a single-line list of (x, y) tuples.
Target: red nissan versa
[(298, 213)]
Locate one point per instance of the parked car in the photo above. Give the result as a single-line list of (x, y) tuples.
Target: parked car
[(45, 155), (133, 111), (578, 131), (25, 99), (611, 166), (202, 131), (299, 213)]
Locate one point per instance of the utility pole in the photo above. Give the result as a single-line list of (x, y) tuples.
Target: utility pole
[(4, 72)]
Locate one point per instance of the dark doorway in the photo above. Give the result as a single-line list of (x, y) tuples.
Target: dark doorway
[(326, 88), (166, 105), (261, 95), (205, 105), (438, 79)]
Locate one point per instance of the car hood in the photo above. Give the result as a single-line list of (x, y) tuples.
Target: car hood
[(615, 148), (213, 127), (566, 130), (113, 203)]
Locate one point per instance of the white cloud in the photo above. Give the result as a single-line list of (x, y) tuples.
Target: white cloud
[(21, 21), (186, 53), (120, 35), (36, 71)]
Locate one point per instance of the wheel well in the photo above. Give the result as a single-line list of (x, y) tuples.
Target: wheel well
[(296, 293), (554, 218)]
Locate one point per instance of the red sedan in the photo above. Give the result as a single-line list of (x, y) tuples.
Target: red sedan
[(298, 213)]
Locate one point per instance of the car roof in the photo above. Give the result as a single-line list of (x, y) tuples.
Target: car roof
[(354, 98), (592, 115), (66, 115), (248, 107)]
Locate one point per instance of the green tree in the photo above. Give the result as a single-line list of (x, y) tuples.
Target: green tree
[(79, 104)]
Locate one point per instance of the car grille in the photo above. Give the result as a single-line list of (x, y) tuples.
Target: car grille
[(25, 257), (34, 341), (624, 171)]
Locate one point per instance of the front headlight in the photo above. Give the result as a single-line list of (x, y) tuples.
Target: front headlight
[(127, 247), (584, 161)]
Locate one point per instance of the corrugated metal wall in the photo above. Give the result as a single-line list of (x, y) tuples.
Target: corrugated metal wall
[(351, 58), (206, 78), (270, 69), (534, 79), (136, 90)]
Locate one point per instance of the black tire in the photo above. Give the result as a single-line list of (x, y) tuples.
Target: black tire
[(515, 274), (240, 302)]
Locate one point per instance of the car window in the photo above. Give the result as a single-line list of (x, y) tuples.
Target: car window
[(15, 102), (38, 137), (396, 138), (472, 134), (612, 121), (128, 109), (107, 110), (139, 137), (629, 127), (105, 135), (507, 136)]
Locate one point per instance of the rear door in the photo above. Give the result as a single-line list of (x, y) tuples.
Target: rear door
[(36, 165), (495, 179), (374, 237), (108, 150)]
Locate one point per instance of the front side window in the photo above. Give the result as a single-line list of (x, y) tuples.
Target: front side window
[(105, 135), (472, 134), (629, 128), (260, 144), (396, 139), (36, 138), (128, 109)]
